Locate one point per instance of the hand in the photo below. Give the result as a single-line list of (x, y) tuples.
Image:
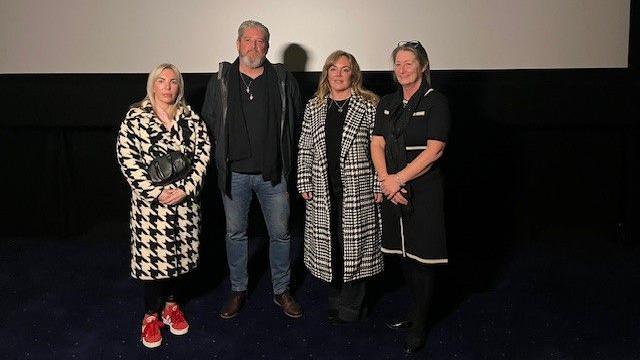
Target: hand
[(173, 196), (398, 198), (377, 198), (162, 198), (307, 195), (390, 185)]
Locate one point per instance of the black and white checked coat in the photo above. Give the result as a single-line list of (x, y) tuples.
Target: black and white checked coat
[(164, 238), (361, 224)]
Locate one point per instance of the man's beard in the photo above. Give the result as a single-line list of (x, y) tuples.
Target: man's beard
[(256, 63)]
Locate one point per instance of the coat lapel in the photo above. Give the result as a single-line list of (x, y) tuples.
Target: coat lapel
[(352, 122), (321, 116), (154, 125)]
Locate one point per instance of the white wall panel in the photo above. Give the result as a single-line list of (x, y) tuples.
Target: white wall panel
[(91, 36)]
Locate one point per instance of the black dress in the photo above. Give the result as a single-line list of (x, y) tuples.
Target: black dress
[(416, 231), (345, 299)]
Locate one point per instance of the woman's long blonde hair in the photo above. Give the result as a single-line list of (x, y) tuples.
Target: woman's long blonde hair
[(356, 79), (154, 75)]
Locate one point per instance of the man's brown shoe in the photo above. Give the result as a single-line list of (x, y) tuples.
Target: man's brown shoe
[(289, 306), (234, 304)]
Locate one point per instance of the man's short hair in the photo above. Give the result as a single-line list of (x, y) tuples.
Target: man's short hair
[(250, 24)]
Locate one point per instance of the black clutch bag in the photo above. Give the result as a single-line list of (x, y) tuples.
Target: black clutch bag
[(168, 168), (172, 165)]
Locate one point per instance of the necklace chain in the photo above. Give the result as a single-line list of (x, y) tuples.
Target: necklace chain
[(247, 87), (340, 107)]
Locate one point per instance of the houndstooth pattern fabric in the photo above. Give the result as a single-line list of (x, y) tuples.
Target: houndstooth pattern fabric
[(164, 238), (361, 224)]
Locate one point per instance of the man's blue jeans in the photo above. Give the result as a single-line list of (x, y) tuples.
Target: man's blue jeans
[(274, 202)]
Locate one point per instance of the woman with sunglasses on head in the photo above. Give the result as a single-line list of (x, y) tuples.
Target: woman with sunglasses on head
[(338, 183), (410, 134)]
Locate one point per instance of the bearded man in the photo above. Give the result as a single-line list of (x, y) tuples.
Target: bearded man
[(251, 106)]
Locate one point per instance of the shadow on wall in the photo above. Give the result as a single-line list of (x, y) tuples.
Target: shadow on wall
[(295, 58)]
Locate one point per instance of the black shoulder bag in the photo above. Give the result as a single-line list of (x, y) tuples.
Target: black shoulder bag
[(173, 165)]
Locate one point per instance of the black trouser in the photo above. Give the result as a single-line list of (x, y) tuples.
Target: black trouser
[(157, 292), (345, 298), (420, 279)]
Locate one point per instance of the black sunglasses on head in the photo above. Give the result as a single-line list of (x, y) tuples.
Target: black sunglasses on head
[(411, 43), (414, 44)]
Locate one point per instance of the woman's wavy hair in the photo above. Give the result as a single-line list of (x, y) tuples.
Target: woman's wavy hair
[(155, 74), (356, 79)]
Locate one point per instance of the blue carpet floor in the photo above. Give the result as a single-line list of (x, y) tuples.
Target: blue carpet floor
[(554, 299)]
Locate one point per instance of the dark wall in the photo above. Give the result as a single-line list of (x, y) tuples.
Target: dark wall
[(634, 35), (531, 150)]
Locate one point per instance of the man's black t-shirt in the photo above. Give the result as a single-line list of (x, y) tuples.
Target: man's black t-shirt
[(254, 108)]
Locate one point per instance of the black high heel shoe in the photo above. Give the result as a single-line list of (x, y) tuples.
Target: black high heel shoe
[(399, 324), (414, 345), (335, 319)]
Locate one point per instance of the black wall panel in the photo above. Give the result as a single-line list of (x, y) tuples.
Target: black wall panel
[(531, 150)]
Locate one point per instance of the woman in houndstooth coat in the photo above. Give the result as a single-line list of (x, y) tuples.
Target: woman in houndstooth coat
[(165, 220), (336, 178)]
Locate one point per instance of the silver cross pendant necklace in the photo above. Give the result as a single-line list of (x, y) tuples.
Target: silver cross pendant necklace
[(247, 87)]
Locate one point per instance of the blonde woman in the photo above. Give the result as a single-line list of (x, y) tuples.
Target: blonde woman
[(165, 219), (338, 183)]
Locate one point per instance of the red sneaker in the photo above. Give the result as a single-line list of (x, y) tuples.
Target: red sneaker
[(173, 316), (151, 336)]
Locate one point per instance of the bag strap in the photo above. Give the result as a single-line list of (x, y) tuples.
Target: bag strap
[(154, 145), (186, 135)]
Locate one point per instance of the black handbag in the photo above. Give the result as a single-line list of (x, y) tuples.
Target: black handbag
[(171, 166), (168, 168)]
